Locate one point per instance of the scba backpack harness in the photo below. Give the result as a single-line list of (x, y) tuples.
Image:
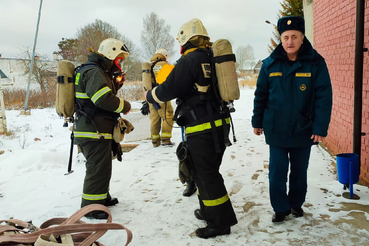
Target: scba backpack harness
[(222, 91), (66, 104), (225, 89)]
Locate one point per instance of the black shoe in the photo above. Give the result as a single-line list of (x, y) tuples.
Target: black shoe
[(100, 215), (297, 212), (111, 202), (280, 216), (207, 232), (190, 189), (198, 214)]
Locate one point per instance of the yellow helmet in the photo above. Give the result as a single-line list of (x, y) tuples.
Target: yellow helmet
[(164, 52), (190, 29), (112, 48)]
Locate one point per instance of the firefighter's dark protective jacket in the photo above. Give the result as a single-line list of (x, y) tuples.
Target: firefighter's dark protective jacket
[(207, 129), (98, 107), (190, 81)]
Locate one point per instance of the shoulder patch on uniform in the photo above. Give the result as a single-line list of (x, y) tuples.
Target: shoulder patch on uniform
[(206, 70), (156, 69), (303, 74), (277, 74)]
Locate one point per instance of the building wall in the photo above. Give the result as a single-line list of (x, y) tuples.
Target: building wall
[(334, 38), (309, 19)]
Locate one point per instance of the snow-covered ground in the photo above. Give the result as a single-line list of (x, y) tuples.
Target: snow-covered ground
[(33, 187)]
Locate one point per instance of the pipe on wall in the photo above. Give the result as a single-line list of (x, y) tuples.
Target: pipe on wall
[(358, 77)]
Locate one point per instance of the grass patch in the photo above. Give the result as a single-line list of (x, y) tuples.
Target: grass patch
[(248, 81), (14, 99)]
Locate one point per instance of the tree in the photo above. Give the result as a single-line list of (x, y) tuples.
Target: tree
[(155, 35), (289, 7), (68, 48), (41, 73), (91, 35), (245, 55)]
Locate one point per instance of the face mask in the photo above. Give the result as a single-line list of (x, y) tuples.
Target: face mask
[(119, 61)]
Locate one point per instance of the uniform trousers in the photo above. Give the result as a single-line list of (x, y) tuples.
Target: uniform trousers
[(280, 160), (159, 121), (98, 156), (215, 205)]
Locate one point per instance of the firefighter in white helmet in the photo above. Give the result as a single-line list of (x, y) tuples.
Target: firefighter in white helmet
[(98, 108), (206, 127)]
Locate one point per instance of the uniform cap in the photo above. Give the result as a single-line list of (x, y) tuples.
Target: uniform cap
[(291, 23)]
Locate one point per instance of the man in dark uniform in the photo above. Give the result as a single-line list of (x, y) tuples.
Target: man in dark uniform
[(292, 105), (98, 109), (206, 126)]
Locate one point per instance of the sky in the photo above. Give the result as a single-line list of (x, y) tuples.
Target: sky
[(240, 21), (33, 186)]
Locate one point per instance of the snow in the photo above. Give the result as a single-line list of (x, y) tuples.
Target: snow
[(33, 186)]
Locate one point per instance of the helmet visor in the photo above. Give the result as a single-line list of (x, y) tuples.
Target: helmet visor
[(119, 62)]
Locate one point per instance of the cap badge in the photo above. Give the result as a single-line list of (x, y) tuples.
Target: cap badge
[(289, 22)]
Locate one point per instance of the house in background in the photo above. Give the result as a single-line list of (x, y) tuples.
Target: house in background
[(15, 70), (250, 67), (333, 28)]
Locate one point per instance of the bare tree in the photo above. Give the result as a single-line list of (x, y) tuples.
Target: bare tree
[(91, 35), (155, 35), (245, 57), (41, 72)]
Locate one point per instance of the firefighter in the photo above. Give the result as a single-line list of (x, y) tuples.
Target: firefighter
[(161, 114), (206, 126), (98, 109)]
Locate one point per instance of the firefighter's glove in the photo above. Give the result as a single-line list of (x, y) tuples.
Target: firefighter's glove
[(184, 173), (184, 168), (145, 109), (117, 150)]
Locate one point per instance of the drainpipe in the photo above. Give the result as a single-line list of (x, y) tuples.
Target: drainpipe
[(358, 78)]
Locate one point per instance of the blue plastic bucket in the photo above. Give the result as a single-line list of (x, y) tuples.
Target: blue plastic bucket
[(348, 165)]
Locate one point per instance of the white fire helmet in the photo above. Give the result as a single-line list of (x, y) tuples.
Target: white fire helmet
[(190, 29), (164, 52), (112, 48)]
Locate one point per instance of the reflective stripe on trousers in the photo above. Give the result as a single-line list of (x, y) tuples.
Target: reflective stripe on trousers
[(205, 126)]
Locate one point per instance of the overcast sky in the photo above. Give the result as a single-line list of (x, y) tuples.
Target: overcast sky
[(240, 21)]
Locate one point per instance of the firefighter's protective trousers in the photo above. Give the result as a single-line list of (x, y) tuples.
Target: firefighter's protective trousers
[(216, 207), (161, 120), (98, 161)]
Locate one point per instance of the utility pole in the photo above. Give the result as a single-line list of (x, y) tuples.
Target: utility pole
[(32, 61)]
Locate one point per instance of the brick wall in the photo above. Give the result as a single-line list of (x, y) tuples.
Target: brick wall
[(334, 39)]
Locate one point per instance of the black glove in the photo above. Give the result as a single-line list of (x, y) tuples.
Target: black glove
[(145, 109), (185, 172), (117, 150)]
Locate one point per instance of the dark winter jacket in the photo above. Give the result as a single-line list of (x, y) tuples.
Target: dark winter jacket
[(98, 107), (293, 100), (197, 109)]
